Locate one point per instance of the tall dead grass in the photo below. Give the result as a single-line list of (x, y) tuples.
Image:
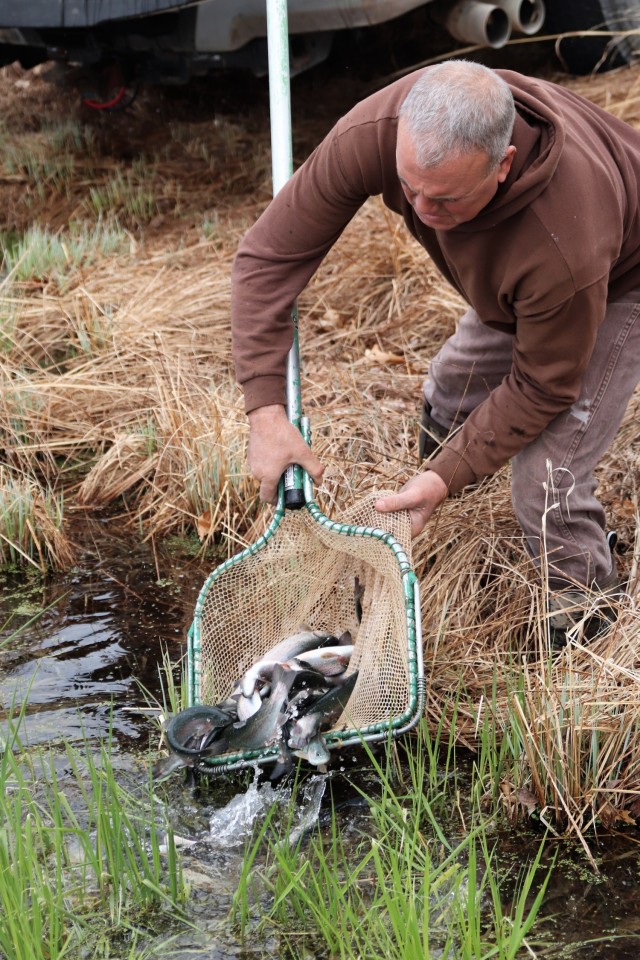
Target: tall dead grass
[(117, 393)]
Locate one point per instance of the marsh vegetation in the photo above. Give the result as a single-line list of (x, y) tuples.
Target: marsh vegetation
[(117, 400)]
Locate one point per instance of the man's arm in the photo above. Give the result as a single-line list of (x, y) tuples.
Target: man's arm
[(276, 259), (274, 262)]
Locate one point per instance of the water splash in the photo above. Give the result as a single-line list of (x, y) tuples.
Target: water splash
[(309, 811), (232, 825)]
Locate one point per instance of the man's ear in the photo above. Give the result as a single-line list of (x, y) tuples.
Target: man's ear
[(505, 164)]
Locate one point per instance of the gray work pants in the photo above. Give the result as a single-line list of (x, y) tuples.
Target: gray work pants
[(559, 499)]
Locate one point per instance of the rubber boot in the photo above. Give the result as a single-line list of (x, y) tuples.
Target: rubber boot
[(432, 434), (584, 613)]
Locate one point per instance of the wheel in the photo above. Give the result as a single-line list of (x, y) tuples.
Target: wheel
[(589, 53)]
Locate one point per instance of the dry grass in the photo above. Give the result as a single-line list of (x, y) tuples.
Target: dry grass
[(117, 390)]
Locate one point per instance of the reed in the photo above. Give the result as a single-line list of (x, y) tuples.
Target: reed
[(30, 524), (124, 197), (39, 254), (118, 393), (400, 888), (72, 871)]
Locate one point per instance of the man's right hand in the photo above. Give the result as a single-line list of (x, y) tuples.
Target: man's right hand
[(274, 444)]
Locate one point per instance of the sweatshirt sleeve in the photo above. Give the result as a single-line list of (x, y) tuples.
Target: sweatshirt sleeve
[(551, 352), (277, 258)]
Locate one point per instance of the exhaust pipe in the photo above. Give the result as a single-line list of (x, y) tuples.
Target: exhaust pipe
[(525, 16), (475, 22)]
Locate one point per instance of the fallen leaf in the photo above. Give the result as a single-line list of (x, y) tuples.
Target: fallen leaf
[(608, 815), (527, 799), (333, 319), (376, 355), (203, 524)]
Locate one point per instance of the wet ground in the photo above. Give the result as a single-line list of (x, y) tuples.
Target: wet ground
[(80, 647)]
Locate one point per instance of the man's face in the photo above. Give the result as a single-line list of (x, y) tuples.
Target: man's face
[(452, 192)]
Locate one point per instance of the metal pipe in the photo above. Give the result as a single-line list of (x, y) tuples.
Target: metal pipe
[(281, 170), (525, 16), (279, 93), (474, 22)]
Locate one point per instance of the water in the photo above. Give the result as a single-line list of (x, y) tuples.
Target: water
[(82, 664), (232, 825)]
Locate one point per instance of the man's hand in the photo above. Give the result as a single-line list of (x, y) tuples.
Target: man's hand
[(420, 496), (274, 443)]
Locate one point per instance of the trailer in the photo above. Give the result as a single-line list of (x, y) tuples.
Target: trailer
[(170, 41)]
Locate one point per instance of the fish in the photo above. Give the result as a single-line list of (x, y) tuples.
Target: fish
[(247, 706), (165, 766), (322, 715), (263, 727), (315, 752), (287, 649), (188, 731), (286, 699), (329, 661)]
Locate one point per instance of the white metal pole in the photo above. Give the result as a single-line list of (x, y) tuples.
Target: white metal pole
[(281, 170)]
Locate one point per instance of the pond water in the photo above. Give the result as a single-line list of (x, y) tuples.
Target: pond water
[(82, 645)]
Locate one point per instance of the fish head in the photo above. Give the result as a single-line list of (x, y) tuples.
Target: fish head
[(304, 729), (165, 766), (186, 730), (315, 752)]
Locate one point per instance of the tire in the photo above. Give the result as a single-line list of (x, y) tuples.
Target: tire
[(587, 54)]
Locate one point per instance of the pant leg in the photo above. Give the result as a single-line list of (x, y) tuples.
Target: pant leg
[(471, 363), (553, 477)]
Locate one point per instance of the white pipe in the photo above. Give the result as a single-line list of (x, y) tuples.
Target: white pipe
[(525, 16), (281, 170), (279, 93), (474, 22)]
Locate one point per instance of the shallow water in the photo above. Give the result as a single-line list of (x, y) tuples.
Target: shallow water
[(80, 666), (81, 662)]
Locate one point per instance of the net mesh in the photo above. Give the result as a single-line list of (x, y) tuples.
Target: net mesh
[(307, 574)]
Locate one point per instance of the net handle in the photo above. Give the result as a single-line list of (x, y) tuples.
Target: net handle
[(292, 483)]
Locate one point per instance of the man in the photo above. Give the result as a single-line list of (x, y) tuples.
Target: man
[(526, 198)]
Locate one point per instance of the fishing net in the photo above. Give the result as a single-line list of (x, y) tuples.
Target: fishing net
[(331, 575)]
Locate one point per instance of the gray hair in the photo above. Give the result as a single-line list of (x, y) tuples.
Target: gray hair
[(457, 107)]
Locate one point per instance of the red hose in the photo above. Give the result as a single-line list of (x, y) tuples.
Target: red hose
[(107, 104)]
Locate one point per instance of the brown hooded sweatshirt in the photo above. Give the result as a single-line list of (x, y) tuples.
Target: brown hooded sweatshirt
[(559, 239)]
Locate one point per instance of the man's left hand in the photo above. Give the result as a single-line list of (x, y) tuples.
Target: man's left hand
[(420, 496)]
